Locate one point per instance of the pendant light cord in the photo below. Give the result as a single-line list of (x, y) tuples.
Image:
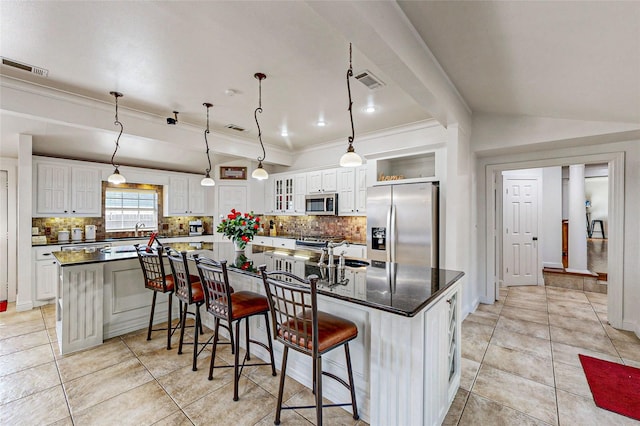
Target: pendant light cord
[(350, 74), (117, 123), (208, 105), (260, 77)]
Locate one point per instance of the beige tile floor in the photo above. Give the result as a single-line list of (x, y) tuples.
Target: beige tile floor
[(520, 366), (131, 381), (520, 362)]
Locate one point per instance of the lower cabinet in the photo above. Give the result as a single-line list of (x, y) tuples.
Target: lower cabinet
[(45, 272)]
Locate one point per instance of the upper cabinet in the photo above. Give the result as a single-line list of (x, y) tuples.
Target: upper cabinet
[(288, 193), (352, 191), (66, 190), (322, 181), (184, 196), (299, 192)]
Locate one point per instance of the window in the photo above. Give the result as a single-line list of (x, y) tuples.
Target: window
[(124, 208)]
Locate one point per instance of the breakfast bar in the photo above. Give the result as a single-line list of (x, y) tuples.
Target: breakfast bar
[(406, 358)]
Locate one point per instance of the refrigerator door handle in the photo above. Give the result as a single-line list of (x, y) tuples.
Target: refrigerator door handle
[(392, 233), (388, 240)]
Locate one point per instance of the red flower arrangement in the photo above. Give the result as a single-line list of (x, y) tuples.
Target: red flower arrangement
[(239, 227)]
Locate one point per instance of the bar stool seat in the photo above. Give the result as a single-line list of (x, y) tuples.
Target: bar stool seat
[(247, 303), (332, 331)]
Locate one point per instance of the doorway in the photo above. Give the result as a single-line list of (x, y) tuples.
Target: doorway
[(493, 217)]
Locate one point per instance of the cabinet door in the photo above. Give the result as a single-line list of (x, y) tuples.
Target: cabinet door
[(300, 191), (46, 279), (346, 191), (86, 191), (52, 189), (197, 197), (269, 196), (178, 196), (330, 180), (361, 190), (278, 195), (289, 206), (314, 182)]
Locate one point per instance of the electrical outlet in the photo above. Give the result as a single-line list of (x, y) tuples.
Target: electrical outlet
[(182, 226), (47, 230)]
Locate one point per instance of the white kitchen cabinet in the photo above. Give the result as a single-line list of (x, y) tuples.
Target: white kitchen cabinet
[(361, 190), (65, 189), (269, 196), (262, 241), (45, 272), (346, 191), (284, 194), (299, 193), (185, 196), (322, 181), (285, 243)]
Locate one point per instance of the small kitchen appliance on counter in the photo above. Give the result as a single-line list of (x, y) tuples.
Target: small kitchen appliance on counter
[(63, 235), (195, 227), (76, 234), (90, 232)]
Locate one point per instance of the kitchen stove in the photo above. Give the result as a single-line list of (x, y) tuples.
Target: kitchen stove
[(317, 242)]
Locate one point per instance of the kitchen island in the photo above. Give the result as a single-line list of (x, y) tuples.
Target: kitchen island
[(406, 358)]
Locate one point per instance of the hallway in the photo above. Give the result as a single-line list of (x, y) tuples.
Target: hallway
[(520, 359)]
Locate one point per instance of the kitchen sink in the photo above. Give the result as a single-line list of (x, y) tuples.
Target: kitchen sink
[(120, 249), (353, 263)]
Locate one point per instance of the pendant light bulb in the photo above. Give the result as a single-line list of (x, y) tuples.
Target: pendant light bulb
[(116, 178), (350, 158), (260, 173), (207, 180)]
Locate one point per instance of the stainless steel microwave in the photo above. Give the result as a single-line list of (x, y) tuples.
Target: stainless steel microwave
[(321, 204)]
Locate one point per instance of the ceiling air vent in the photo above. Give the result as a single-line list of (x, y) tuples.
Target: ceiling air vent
[(368, 79), (25, 67), (235, 127)]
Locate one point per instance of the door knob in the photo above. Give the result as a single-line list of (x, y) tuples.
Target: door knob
[(535, 238)]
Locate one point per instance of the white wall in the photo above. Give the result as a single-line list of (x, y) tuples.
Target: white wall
[(597, 191), (551, 220), (10, 166)]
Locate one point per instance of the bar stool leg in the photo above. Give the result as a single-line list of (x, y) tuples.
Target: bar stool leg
[(195, 339), (354, 406), (183, 321), (246, 323), (273, 362), (153, 309), (169, 321), (283, 373), (318, 368), (236, 361), (215, 345)]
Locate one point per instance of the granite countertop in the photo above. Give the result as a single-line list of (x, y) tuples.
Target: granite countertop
[(54, 242), (392, 287)]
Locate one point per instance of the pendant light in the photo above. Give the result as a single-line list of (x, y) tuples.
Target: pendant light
[(207, 180), (116, 178), (260, 173), (350, 158)]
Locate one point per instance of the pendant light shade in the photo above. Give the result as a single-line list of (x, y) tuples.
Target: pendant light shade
[(260, 173), (350, 158), (116, 178), (207, 180)]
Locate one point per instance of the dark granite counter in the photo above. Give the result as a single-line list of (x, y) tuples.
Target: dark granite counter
[(391, 287), (55, 242)]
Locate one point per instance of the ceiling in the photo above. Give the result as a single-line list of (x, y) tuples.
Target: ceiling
[(578, 60)]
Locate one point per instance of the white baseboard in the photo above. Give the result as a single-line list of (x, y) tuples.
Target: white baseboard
[(631, 326), (26, 306)]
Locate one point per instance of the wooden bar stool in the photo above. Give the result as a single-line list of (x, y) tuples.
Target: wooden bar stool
[(189, 291), (300, 326), (593, 227), (229, 306), (156, 279)]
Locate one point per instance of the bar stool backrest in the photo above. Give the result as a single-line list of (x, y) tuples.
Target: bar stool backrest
[(215, 283), (181, 277), (152, 264), (294, 309)]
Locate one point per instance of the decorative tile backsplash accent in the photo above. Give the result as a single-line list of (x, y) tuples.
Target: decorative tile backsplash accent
[(170, 226), (352, 228)]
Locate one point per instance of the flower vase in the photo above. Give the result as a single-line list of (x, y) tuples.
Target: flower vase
[(237, 245)]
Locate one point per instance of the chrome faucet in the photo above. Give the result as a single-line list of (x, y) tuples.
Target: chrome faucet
[(331, 246), (138, 226)]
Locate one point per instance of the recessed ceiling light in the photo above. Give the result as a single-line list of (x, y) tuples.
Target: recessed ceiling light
[(321, 123), (370, 109), (284, 133)]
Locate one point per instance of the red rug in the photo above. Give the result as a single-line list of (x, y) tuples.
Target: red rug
[(615, 387), (3, 305)]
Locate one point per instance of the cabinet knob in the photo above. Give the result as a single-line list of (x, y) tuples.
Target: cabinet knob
[(73, 211), (449, 301)]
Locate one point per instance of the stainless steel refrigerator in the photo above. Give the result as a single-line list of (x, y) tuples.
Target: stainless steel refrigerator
[(403, 223)]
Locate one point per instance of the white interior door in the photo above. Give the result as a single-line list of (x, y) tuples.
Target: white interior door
[(4, 236), (520, 231)]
